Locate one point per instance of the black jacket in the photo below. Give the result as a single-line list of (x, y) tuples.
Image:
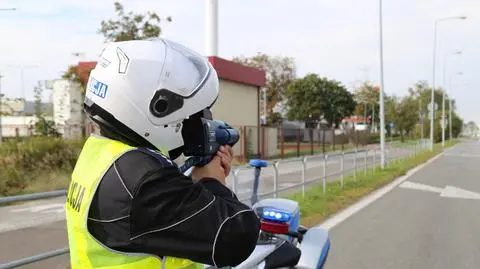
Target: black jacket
[(144, 204)]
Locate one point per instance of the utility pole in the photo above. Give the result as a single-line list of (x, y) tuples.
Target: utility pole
[(211, 26), (382, 89)]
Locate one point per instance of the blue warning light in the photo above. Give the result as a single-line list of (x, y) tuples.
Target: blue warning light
[(276, 215)]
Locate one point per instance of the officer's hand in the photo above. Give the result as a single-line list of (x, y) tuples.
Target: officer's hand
[(213, 169), (226, 155)]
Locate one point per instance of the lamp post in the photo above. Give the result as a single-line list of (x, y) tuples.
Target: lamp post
[(432, 103), (382, 88), (450, 107), (458, 52)]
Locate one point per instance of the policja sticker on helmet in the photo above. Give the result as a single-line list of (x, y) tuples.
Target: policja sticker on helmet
[(98, 88)]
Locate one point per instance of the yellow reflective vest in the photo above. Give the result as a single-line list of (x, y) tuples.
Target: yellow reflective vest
[(97, 155)]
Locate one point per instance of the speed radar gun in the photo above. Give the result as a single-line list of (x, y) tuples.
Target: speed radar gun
[(203, 138)]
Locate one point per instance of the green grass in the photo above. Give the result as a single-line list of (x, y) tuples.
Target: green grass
[(316, 206)]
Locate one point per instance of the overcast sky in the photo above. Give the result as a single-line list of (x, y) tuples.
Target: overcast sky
[(334, 38)]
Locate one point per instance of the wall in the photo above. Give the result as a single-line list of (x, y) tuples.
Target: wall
[(237, 105), (247, 146)]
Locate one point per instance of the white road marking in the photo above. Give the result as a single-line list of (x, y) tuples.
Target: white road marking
[(421, 187), (447, 192), (453, 192)]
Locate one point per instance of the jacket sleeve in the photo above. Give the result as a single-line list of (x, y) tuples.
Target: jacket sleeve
[(203, 222)]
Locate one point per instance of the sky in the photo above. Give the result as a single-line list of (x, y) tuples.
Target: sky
[(338, 39)]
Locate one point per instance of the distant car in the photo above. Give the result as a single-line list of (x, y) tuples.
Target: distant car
[(361, 126)]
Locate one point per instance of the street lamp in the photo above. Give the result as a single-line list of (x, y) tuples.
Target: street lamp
[(450, 107), (458, 52), (432, 104), (382, 88)]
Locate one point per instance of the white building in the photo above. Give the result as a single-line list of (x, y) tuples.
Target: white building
[(67, 108)]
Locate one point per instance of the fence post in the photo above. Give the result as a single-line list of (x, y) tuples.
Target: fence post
[(262, 148), (282, 143), (333, 138), (275, 179), (304, 174), (355, 165), (246, 148), (342, 172), (365, 163), (323, 141), (374, 160), (298, 142), (324, 179)]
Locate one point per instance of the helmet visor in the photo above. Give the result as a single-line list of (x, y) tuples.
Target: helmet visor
[(182, 60)]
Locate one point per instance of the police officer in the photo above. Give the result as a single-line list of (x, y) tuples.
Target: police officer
[(128, 206)]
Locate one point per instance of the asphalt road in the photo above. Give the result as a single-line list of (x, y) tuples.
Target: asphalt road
[(36, 227), (418, 226)]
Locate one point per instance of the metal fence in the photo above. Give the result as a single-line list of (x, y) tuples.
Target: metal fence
[(279, 178)]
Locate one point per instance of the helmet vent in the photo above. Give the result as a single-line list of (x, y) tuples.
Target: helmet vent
[(161, 106), (165, 102)]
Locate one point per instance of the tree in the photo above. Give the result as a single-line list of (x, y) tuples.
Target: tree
[(275, 118), (42, 126), (391, 103), (280, 73), (421, 91), (457, 125), (406, 116), (367, 97), (73, 74), (470, 129), (312, 98), (131, 26)]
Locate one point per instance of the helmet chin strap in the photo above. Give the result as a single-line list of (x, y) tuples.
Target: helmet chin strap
[(175, 153)]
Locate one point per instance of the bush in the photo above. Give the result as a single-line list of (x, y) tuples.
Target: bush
[(24, 161)]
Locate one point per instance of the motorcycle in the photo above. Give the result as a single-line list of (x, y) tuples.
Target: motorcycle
[(283, 242)]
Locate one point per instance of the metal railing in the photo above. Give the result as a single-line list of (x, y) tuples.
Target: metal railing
[(349, 163)]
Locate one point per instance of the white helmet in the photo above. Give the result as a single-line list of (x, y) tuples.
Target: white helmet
[(148, 87)]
